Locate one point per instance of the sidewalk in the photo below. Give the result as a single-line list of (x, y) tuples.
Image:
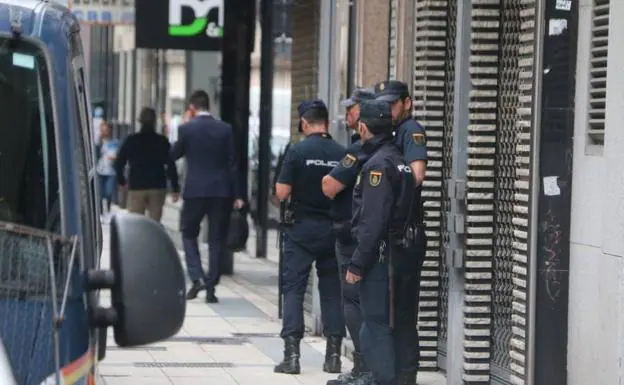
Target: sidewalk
[(233, 342)]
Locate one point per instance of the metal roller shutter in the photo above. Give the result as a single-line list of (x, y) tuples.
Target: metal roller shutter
[(481, 189), (393, 40), (500, 130), (304, 73), (598, 71), (513, 173), (431, 74)]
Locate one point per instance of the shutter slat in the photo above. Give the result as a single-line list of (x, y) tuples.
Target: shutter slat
[(598, 72)]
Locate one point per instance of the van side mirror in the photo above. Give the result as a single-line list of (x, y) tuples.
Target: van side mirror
[(148, 294)]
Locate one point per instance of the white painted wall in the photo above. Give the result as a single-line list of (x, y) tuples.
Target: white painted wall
[(596, 318)]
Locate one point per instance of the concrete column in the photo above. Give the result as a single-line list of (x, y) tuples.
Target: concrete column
[(405, 43), (373, 17)]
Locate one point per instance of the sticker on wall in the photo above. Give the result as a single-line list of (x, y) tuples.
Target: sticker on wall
[(563, 5), (551, 187), (557, 26)]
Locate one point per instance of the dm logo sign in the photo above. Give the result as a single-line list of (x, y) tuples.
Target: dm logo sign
[(195, 25), (200, 23)]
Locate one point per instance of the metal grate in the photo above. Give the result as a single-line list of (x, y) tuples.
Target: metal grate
[(598, 71), (447, 152), (506, 144), (256, 335), (140, 348), (521, 209), (430, 73), (210, 340), (393, 40), (483, 105), (182, 364), (36, 292)]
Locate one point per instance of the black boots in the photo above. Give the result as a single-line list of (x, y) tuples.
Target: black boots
[(332, 355), (290, 364), (357, 376)]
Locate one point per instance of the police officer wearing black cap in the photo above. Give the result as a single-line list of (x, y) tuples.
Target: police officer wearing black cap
[(352, 106), (308, 237), (383, 261), (410, 136), (338, 186), (411, 139)]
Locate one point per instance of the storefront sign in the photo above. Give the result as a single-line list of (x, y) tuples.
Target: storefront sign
[(111, 12), (195, 25)]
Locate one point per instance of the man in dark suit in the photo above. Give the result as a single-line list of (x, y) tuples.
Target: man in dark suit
[(211, 188)]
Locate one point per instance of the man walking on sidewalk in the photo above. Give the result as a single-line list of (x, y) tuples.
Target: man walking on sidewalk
[(147, 153), (211, 188)]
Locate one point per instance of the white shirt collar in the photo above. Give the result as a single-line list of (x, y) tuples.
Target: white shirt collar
[(203, 113)]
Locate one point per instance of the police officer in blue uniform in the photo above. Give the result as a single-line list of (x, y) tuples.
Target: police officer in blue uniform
[(385, 210), (411, 140), (410, 135), (338, 186), (308, 237)]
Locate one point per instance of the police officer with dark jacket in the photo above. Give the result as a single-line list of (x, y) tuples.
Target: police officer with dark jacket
[(410, 135), (338, 185), (411, 140), (384, 261), (308, 237)]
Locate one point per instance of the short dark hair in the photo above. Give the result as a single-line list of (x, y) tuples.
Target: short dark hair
[(147, 117), (316, 116), (200, 100)]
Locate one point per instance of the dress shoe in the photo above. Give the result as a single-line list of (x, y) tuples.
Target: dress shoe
[(194, 290)]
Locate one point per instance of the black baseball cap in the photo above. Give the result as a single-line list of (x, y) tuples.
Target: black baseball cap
[(308, 105), (377, 115), (391, 90), (357, 96)]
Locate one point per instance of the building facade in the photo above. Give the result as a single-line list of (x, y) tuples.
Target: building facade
[(534, 292)]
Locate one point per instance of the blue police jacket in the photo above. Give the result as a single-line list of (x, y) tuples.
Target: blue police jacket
[(384, 201), (346, 173), (411, 140), (208, 146), (305, 165)]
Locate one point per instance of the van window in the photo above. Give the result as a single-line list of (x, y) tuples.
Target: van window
[(28, 165)]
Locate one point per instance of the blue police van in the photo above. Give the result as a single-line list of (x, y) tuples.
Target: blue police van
[(53, 326)]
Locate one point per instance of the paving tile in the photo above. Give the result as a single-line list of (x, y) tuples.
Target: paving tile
[(124, 356), (182, 355), (217, 378), (248, 376), (237, 307), (199, 308), (136, 380), (214, 327), (239, 355), (128, 369), (194, 372)]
